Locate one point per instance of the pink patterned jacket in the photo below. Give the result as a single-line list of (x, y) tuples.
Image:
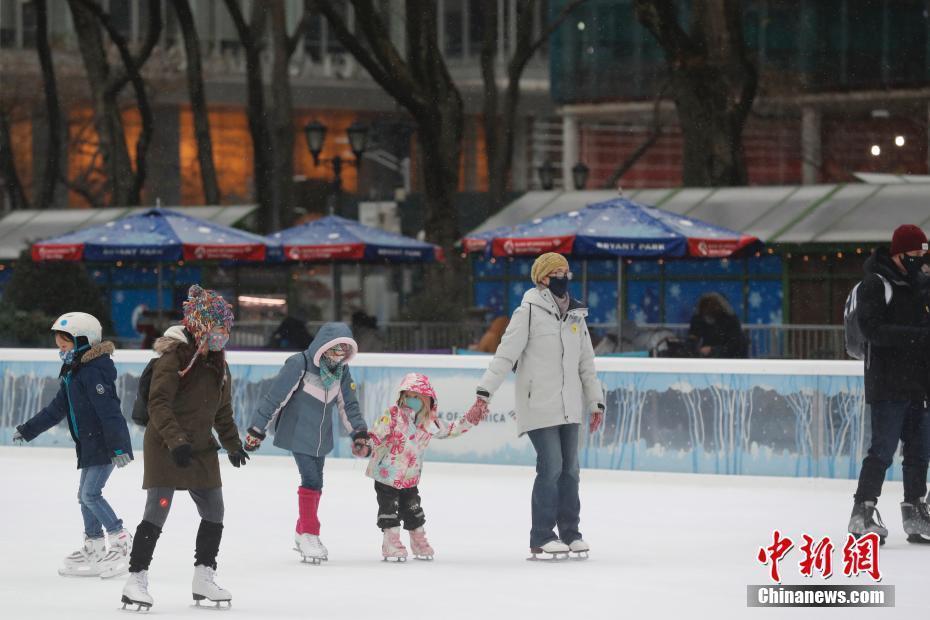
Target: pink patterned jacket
[(400, 441)]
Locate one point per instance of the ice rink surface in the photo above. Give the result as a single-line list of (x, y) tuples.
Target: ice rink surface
[(663, 546)]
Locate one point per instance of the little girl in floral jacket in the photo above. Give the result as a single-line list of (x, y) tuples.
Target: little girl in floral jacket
[(400, 438)]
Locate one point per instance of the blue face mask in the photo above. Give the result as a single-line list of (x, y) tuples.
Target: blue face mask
[(67, 357), (413, 403)]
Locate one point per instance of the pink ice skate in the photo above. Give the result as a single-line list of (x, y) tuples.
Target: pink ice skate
[(392, 548), (419, 546)]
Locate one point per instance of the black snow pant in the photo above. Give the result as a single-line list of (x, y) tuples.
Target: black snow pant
[(399, 505)]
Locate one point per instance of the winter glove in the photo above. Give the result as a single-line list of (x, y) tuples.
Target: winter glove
[(253, 439), (360, 446), (483, 395), (18, 437), (120, 459), (182, 455), (477, 412), (238, 458), (597, 419)]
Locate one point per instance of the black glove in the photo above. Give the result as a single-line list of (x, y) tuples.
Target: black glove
[(360, 446), (238, 458), (182, 455)]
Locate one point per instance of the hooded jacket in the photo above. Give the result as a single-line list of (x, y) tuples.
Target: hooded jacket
[(298, 405), (401, 437), (87, 400), (556, 382), (187, 410), (896, 364)]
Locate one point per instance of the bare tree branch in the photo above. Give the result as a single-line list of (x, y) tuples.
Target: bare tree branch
[(653, 137)]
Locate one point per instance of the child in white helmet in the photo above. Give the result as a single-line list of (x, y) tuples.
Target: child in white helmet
[(87, 400)]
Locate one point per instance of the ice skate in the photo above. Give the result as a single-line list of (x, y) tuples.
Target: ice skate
[(866, 519), (916, 519), (579, 549), (553, 550), (203, 587), (392, 548), (85, 562), (419, 546), (136, 592), (116, 561), (310, 548)]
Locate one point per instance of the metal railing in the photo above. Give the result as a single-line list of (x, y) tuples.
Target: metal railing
[(765, 341)]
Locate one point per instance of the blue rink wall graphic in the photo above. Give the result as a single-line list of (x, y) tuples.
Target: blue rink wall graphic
[(757, 417)]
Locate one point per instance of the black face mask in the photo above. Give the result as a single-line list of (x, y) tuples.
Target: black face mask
[(558, 285), (913, 265)]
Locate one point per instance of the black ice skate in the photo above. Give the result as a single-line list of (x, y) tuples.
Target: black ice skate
[(865, 519), (916, 519), (552, 551)]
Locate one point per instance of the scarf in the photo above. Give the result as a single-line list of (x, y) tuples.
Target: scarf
[(330, 372)]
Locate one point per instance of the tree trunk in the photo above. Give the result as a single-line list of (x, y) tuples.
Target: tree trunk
[(250, 36), (11, 181), (211, 189), (282, 117), (713, 83), (107, 119), (52, 161)]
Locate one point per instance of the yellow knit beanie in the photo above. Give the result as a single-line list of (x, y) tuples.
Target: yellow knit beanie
[(546, 264)]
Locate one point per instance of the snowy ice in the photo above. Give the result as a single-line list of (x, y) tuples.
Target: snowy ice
[(663, 545)]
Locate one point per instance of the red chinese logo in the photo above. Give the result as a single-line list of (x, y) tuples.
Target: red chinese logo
[(775, 552), (861, 556), (817, 557)]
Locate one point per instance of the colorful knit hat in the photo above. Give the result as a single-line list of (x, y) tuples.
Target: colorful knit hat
[(204, 311)]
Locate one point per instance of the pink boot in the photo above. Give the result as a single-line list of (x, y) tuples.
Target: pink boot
[(419, 545), (392, 548)]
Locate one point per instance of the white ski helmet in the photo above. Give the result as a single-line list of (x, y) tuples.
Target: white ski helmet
[(78, 324)]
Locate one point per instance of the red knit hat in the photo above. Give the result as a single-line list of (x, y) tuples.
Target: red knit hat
[(908, 238)]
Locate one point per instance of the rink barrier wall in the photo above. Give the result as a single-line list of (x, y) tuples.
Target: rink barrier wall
[(756, 417)]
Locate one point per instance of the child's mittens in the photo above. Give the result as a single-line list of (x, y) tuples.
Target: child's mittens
[(360, 446), (477, 412), (18, 437), (120, 459), (253, 439)]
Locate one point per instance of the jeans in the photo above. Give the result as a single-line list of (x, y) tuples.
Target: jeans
[(311, 470), (555, 491), (397, 505), (906, 421), (97, 513)]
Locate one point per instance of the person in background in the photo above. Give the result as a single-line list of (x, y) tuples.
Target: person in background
[(715, 331), (492, 338), (87, 400), (291, 335), (894, 320)]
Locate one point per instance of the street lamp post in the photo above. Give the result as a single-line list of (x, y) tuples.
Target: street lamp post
[(580, 175), (546, 175), (357, 133)]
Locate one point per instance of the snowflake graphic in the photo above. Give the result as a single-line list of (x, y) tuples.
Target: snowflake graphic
[(755, 299), (674, 291)]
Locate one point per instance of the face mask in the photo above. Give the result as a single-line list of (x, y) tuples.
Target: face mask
[(67, 357), (217, 341), (913, 265), (558, 285), (413, 403)]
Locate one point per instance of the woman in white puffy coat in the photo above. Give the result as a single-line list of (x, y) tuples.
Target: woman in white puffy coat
[(547, 341)]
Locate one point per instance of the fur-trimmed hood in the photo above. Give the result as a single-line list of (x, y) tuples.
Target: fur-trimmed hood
[(98, 350)]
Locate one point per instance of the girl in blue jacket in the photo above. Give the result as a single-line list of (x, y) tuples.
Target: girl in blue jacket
[(87, 400), (302, 399)]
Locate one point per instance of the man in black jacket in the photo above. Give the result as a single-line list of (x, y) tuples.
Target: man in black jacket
[(896, 382)]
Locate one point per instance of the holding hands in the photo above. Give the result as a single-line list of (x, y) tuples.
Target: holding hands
[(597, 420), (360, 444), (253, 439), (477, 412)]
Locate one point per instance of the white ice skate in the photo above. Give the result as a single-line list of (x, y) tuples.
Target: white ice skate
[(311, 548), (419, 546), (552, 551), (116, 562), (203, 587), (85, 562), (391, 548), (579, 549), (136, 591)]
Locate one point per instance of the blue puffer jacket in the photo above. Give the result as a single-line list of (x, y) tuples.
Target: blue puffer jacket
[(303, 406), (87, 400)]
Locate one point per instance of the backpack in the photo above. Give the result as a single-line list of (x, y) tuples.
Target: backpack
[(140, 408), (856, 343)]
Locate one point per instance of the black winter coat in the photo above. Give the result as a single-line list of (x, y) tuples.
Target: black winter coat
[(724, 336), (897, 362)]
